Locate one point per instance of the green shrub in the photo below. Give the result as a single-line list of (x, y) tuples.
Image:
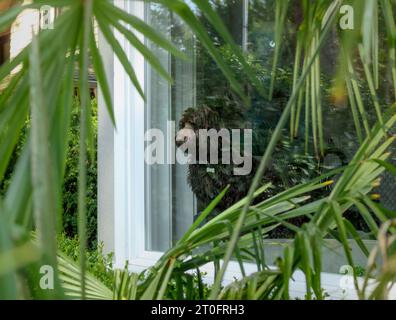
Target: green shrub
[(70, 187)]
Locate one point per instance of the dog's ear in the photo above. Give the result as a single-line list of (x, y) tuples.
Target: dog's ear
[(187, 117)]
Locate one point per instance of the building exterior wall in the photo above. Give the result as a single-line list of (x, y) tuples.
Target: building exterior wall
[(22, 29), (29, 21)]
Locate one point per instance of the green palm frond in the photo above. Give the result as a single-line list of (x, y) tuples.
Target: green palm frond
[(38, 94)]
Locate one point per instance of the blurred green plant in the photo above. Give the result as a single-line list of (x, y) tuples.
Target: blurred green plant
[(41, 89)]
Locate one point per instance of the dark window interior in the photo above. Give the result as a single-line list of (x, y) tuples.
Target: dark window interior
[(4, 47)]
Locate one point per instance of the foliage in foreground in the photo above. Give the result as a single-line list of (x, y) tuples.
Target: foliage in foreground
[(32, 200)]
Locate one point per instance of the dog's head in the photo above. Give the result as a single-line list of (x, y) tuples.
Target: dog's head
[(194, 119)]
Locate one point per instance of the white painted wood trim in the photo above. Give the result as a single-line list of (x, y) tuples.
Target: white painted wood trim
[(128, 152)]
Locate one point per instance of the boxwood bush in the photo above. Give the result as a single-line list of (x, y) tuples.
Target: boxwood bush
[(70, 190)]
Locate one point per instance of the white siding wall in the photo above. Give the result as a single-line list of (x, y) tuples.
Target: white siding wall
[(22, 29)]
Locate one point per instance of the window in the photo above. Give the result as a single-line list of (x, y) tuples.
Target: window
[(201, 98), (155, 204), (176, 193)]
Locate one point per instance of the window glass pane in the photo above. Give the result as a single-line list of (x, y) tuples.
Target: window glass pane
[(170, 204)]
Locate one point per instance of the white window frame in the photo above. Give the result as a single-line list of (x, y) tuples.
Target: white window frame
[(129, 177)]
